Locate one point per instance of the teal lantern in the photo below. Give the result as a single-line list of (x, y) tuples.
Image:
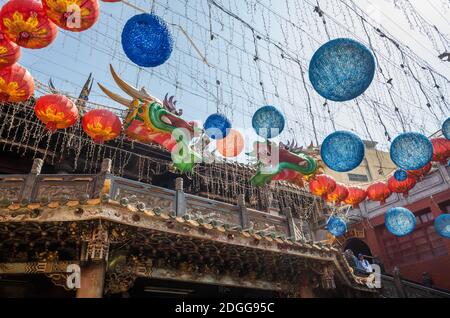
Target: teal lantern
[(411, 151), (342, 70), (442, 225), (268, 122), (400, 221), (337, 226), (342, 151), (446, 128)]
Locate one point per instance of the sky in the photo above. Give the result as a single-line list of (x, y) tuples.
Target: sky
[(73, 56)]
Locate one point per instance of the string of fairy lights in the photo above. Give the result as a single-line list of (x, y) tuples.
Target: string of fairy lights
[(235, 56), (251, 75)]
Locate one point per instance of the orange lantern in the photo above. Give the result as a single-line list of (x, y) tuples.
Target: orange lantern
[(379, 192), (16, 84), (9, 51), (420, 173), (322, 185), (356, 195), (402, 186), (232, 145), (339, 194), (72, 15), (24, 22), (441, 150), (101, 125), (56, 112)]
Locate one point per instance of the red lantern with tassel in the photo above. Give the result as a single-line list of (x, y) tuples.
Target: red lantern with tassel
[(402, 186), (101, 125), (379, 192), (339, 194), (441, 150), (9, 51), (322, 185), (24, 22), (420, 173), (16, 84), (56, 112), (72, 15), (356, 195)]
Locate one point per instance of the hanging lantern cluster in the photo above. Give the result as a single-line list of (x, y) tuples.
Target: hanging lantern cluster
[(322, 185), (9, 51), (217, 126), (56, 112), (342, 70), (402, 187), (147, 40), (411, 151), (268, 122), (72, 15), (25, 23), (101, 125), (441, 150), (16, 84), (337, 226), (378, 192), (342, 151), (400, 221), (339, 194), (231, 146), (356, 195)]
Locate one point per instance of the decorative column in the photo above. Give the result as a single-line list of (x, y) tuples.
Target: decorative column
[(305, 287), (293, 230), (245, 224), (93, 268), (180, 197), (31, 180), (102, 177)]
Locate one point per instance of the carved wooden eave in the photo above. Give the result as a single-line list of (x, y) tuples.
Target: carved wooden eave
[(141, 228)]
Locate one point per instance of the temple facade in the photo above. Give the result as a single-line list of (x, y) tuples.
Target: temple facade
[(79, 219)]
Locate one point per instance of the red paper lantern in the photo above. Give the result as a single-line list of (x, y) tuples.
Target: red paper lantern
[(232, 145), (56, 112), (322, 185), (24, 22), (101, 125), (9, 51), (402, 186), (379, 192), (72, 15), (339, 194), (356, 195), (441, 150), (16, 84), (420, 173)]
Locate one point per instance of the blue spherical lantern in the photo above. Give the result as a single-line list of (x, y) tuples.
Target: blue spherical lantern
[(442, 225), (446, 128), (400, 221), (268, 122), (146, 40), (342, 151), (336, 226), (411, 151), (217, 126), (342, 70), (400, 175)]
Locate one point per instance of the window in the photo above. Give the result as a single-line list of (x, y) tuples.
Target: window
[(358, 177), (423, 244), (445, 207)]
